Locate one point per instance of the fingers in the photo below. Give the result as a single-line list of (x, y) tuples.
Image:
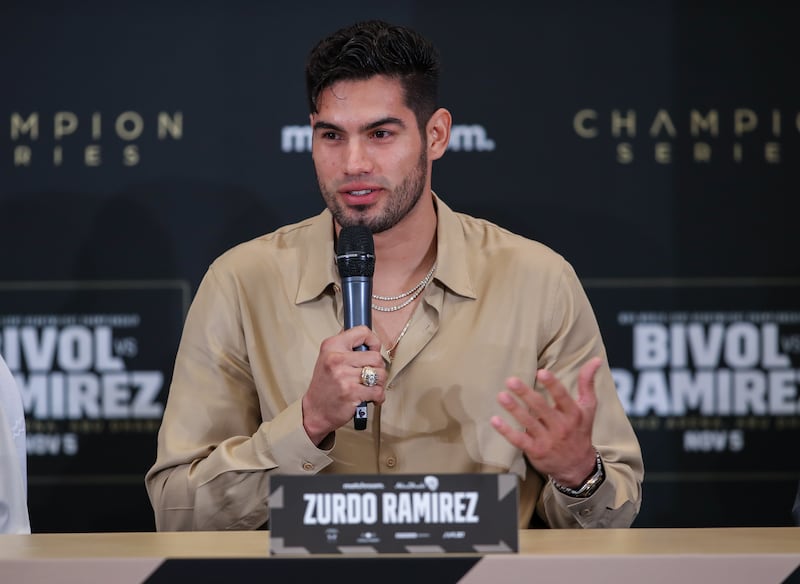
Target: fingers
[(561, 397), (586, 394), (352, 348), (586, 397), (351, 340), (522, 408), (337, 384), (517, 438), (557, 433), (532, 410), (373, 379), (359, 336)]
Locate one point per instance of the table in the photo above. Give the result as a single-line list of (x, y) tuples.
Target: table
[(732, 555)]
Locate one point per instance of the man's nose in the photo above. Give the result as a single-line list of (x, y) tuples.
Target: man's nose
[(357, 158)]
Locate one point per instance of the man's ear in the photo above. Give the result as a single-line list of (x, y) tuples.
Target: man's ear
[(438, 133)]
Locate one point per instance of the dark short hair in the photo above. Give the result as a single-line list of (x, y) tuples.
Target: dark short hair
[(374, 47)]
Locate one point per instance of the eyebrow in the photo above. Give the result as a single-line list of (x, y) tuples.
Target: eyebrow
[(389, 120)]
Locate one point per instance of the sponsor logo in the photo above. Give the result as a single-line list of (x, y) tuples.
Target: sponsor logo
[(67, 138), (698, 135), (463, 138)]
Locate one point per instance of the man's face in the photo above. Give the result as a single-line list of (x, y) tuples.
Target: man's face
[(369, 155)]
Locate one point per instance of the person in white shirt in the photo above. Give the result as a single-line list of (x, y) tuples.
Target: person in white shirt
[(13, 465)]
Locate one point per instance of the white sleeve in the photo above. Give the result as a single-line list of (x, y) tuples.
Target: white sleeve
[(13, 464)]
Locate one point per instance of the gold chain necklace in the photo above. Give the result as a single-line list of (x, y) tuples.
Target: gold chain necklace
[(397, 341), (411, 294)]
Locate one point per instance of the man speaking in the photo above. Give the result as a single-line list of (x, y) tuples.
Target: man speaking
[(483, 354)]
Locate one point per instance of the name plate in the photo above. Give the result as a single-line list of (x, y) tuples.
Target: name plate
[(371, 514)]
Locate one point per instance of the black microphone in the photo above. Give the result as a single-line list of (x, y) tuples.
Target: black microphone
[(355, 257)]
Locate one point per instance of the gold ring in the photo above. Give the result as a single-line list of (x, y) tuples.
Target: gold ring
[(369, 376)]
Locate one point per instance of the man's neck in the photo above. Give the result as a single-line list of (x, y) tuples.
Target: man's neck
[(407, 251)]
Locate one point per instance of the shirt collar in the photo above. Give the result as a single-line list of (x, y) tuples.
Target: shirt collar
[(319, 259), (453, 266)]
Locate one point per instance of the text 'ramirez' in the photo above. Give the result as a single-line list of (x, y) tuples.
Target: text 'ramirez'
[(391, 508)]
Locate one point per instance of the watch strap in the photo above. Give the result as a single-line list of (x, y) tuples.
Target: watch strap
[(589, 486)]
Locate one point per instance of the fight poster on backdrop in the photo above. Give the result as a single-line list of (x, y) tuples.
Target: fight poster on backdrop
[(707, 371), (92, 361)]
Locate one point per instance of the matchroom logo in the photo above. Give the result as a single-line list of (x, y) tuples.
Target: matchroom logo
[(66, 138), (463, 138)]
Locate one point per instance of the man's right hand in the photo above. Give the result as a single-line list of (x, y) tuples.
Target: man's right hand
[(336, 389)]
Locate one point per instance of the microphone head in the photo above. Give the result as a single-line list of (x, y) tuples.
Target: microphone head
[(355, 252)]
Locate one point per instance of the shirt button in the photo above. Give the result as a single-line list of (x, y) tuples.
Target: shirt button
[(391, 462), (586, 512), (308, 466)]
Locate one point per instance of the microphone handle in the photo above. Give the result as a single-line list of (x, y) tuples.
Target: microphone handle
[(357, 296)]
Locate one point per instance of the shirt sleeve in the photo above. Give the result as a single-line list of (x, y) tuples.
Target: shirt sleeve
[(216, 446), (574, 338), (13, 480)]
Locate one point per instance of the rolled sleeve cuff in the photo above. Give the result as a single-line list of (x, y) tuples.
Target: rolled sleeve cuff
[(600, 510), (591, 511), (291, 448)]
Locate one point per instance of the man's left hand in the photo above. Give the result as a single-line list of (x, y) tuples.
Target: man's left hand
[(556, 437)]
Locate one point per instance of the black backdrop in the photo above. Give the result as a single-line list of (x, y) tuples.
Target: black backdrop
[(654, 144)]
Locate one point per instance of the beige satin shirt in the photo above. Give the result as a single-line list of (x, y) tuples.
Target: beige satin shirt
[(499, 305)]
